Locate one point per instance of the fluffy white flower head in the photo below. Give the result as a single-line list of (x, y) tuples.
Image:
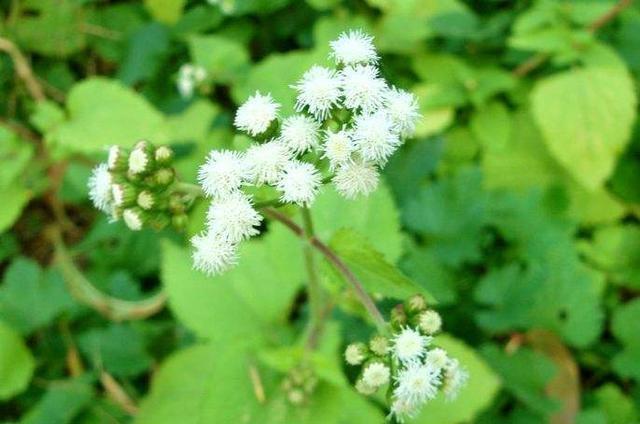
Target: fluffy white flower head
[(417, 383), (402, 409), (213, 254), (139, 160), (364, 388), (255, 115), (356, 178), (354, 47), (189, 76), (363, 89), (338, 147), (437, 358), (300, 133), (354, 354), (266, 161), (233, 218), (318, 90), (430, 322), (409, 345), (455, 378), (374, 137), (403, 110), (223, 172), (132, 219), (376, 374), (100, 188), (299, 183)]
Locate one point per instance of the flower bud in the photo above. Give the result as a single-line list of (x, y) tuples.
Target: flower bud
[(398, 317), (364, 388), (123, 194), (147, 200), (375, 374), (159, 221), (356, 353), (296, 396), (118, 159), (176, 204), (416, 304), (180, 221), (379, 345), (141, 159), (163, 155), (164, 176), (429, 322), (135, 218)]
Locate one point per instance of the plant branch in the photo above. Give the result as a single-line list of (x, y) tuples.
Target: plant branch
[(536, 60), (23, 69), (314, 290), (81, 288), (356, 285)]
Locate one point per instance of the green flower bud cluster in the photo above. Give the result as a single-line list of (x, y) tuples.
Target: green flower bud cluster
[(300, 384), (142, 181)]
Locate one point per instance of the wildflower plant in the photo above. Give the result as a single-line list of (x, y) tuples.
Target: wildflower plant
[(348, 122)]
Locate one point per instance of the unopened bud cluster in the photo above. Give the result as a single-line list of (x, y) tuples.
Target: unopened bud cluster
[(406, 361), (135, 186), (349, 122), (299, 384)]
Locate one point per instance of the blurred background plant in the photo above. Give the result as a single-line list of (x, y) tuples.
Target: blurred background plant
[(514, 210)]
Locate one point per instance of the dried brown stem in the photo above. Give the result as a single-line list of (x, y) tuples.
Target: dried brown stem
[(23, 69)]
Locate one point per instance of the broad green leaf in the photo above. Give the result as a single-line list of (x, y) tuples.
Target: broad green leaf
[(243, 302), (491, 124), (616, 250), (102, 113), (119, 348), (165, 11), (60, 404), (224, 59), (31, 298), (14, 199), (423, 267), (585, 116), (373, 216), (146, 54), (376, 274), (626, 326), (16, 363), (477, 395)]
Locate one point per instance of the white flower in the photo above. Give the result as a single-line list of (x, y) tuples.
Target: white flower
[(189, 76), (356, 178), (266, 161), (409, 345), (430, 322), (354, 47), (299, 183), (133, 219), (374, 137), (455, 377), (139, 160), (233, 217), (300, 133), (437, 358), (362, 88), (364, 388), (417, 383), (223, 172), (213, 254), (376, 374), (403, 110), (256, 114), (354, 354), (402, 409), (319, 91), (338, 147), (100, 188)]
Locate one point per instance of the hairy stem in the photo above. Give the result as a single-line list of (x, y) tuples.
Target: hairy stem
[(85, 292), (314, 290), (356, 285)]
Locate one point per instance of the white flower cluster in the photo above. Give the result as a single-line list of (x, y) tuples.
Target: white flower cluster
[(189, 76), (348, 123), (408, 361)]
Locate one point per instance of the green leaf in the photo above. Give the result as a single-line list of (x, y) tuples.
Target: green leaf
[(147, 51), (477, 395), (617, 408), (31, 298), (374, 216), (625, 327), (60, 404), (244, 302), (423, 267), (491, 124), (224, 59), (119, 348), (585, 116), (616, 250), (16, 363), (102, 113), (14, 199), (165, 11), (377, 275)]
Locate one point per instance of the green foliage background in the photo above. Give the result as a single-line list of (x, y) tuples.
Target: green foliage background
[(516, 209)]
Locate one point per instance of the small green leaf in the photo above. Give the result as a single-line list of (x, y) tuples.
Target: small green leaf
[(492, 126), (626, 327), (16, 363), (224, 59), (60, 404), (165, 11)]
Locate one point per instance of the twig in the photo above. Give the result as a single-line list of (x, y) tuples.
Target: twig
[(110, 307), (356, 285), (256, 382), (314, 289), (534, 61), (117, 393), (23, 70)]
